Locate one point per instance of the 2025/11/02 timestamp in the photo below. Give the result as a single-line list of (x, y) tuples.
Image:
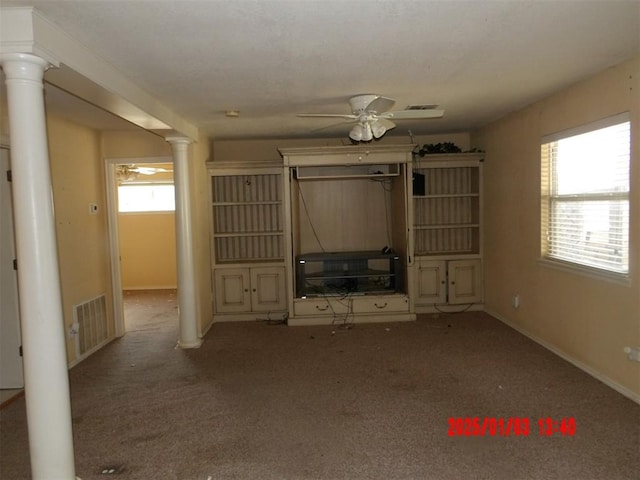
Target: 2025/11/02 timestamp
[(507, 426)]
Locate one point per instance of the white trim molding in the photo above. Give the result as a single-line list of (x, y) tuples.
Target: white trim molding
[(565, 356)]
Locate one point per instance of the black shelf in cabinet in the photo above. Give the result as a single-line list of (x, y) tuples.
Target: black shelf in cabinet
[(343, 273)]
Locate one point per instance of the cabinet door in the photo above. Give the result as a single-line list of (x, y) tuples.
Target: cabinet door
[(432, 282), (231, 288), (268, 289), (465, 281)]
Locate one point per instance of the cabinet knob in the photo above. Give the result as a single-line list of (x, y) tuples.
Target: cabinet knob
[(254, 290), (246, 289), (380, 306)]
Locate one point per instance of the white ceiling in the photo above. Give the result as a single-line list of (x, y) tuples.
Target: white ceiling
[(479, 60)]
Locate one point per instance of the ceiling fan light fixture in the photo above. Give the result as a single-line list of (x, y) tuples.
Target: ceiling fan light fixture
[(356, 133), (373, 116), (367, 134)]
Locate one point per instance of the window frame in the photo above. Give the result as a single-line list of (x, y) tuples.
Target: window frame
[(150, 184), (547, 198)]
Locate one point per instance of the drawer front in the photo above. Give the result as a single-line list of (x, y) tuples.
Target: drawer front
[(374, 304), (320, 306)]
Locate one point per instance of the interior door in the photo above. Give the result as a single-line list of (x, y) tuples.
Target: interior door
[(11, 373)]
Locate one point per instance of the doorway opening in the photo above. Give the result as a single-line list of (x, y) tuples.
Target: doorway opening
[(143, 243), (11, 371)]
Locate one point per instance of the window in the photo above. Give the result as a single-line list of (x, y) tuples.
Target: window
[(585, 196), (146, 197)]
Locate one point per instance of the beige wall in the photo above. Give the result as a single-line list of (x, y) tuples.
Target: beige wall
[(133, 143), (83, 248), (147, 250), (586, 319), (267, 150), (201, 218)]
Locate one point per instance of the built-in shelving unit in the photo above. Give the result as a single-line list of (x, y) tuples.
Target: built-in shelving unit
[(247, 240), (447, 231), (362, 233), (247, 217), (447, 216)]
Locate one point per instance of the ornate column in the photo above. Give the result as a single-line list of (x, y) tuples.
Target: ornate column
[(43, 338), (187, 297)]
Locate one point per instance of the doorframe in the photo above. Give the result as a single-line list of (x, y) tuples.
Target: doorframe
[(111, 187), (16, 370)]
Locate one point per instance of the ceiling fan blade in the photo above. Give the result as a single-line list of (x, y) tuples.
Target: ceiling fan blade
[(333, 125), (412, 114), (330, 115), (380, 104), (149, 170), (387, 124)]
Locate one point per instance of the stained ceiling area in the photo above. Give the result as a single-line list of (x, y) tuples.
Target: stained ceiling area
[(271, 59)]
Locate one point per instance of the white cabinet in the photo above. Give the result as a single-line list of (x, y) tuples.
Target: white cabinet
[(250, 289), (247, 240), (447, 231), (348, 220), (453, 282)]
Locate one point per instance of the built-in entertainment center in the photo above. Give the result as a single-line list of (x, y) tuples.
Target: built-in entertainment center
[(361, 233)]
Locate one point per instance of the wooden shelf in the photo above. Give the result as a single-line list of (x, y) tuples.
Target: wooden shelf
[(242, 204), (448, 195), (447, 226), (247, 234)]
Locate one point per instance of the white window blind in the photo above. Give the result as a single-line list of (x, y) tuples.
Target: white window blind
[(585, 195)]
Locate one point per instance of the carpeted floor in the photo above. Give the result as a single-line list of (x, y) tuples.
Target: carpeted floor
[(262, 401)]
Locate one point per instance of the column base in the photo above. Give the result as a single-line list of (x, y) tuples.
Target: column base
[(195, 344)]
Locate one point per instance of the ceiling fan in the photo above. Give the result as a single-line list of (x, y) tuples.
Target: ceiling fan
[(372, 118), (131, 172)]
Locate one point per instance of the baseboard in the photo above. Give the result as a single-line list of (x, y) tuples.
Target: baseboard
[(474, 307), (206, 329), (582, 366), (154, 287), (87, 354)]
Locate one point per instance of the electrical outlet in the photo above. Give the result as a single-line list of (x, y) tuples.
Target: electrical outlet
[(73, 329), (515, 301), (633, 353)]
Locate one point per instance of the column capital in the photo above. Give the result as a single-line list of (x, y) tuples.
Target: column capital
[(179, 140), (23, 66)]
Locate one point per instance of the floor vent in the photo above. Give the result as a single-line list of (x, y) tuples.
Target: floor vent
[(91, 319)]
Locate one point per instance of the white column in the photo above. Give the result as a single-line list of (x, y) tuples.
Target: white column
[(184, 244), (45, 359)]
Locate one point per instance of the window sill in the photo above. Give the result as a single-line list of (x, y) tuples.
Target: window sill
[(594, 273)]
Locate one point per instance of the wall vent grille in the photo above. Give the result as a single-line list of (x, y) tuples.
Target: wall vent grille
[(91, 318)]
